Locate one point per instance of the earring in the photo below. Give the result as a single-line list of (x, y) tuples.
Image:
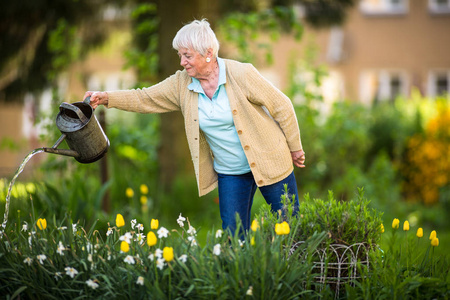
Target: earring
[(208, 59)]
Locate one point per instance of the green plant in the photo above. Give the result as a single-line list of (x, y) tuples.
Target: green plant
[(63, 261), (345, 222)]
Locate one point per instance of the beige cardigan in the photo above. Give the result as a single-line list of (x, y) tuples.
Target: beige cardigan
[(266, 143)]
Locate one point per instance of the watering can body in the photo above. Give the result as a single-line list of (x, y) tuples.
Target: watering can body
[(82, 132)]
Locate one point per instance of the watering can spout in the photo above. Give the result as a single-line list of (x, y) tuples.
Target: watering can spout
[(65, 152)]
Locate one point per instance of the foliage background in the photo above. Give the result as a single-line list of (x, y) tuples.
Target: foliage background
[(396, 151)]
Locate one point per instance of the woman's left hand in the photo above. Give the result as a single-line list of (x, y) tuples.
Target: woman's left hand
[(298, 157)]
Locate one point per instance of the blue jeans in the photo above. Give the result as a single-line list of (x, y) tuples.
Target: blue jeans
[(236, 196)]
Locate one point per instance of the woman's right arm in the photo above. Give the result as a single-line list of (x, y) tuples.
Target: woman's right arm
[(159, 98), (97, 98)]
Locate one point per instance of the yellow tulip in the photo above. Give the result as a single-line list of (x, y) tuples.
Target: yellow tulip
[(252, 241), (435, 242), (419, 233), (42, 224), (382, 228), (151, 238), (144, 189), (129, 192), (168, 253), (124, 247), (433, 235), (395, 223), (154, 224), (406, 225), (255, 225), (282, 228), (119, 220), (144, 200)]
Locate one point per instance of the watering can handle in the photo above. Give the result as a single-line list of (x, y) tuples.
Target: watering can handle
[(88, 101), (75, 109)]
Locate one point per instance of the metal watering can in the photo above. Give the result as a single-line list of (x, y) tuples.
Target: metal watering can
[(82, 132)]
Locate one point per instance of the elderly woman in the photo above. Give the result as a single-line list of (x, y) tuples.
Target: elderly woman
[(241, 130)]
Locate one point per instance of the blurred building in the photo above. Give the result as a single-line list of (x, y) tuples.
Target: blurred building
[(102, 69), (385, 49)]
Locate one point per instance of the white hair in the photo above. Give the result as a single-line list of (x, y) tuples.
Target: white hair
[(197, 36)]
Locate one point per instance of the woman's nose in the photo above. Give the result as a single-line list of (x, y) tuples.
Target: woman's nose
[(182, 61)]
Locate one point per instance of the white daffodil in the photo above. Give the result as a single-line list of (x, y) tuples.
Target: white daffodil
[(216, 250), (89, 247), (41, 258), (249, 291), (192, 240), (28, 261), (71, 271), (140, 227), (163, 232), (25, 227), (181, 220), (158, 253), (219, 233), (151, 256), (140, 237), (58, 275), (140, 280), (160, 263), (129, 260), (183, 258), (92, 284), (60, 249), (241, 243), (126, 237), (133, 223), (74, 228), (191, 230), (62, 228), (109, 232)]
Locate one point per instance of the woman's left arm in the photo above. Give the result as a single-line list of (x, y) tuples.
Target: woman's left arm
[(298, 157), (262, 92)]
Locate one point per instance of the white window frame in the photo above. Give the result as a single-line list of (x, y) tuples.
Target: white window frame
[(435, 8), (383, 7), (432, 78), (376, 84)]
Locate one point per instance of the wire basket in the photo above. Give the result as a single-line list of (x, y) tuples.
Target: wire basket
[(337, 264)]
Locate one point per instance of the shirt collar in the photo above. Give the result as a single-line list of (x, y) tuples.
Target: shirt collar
[(197, 87)]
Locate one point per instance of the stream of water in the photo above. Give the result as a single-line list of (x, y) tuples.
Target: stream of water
[(19, 170)]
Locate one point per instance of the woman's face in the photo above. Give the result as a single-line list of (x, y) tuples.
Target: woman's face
[(194, 63)]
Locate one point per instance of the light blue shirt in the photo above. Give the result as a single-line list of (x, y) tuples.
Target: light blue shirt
[(216, 122)]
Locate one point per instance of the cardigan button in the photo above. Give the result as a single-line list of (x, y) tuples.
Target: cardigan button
[(260, 181), (239, 132), (252, 165), (234, 112), (246, 147)]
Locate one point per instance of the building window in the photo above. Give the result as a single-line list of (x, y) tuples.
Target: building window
[(382, 85), (384, 7), (439, 6), (439, 83)]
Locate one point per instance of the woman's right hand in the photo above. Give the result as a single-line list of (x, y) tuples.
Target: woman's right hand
[(97, 98)]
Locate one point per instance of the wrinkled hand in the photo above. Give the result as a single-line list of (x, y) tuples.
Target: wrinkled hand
[(298, 157), (97, 98)]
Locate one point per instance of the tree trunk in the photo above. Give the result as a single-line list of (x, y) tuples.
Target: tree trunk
[(174, 155)]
